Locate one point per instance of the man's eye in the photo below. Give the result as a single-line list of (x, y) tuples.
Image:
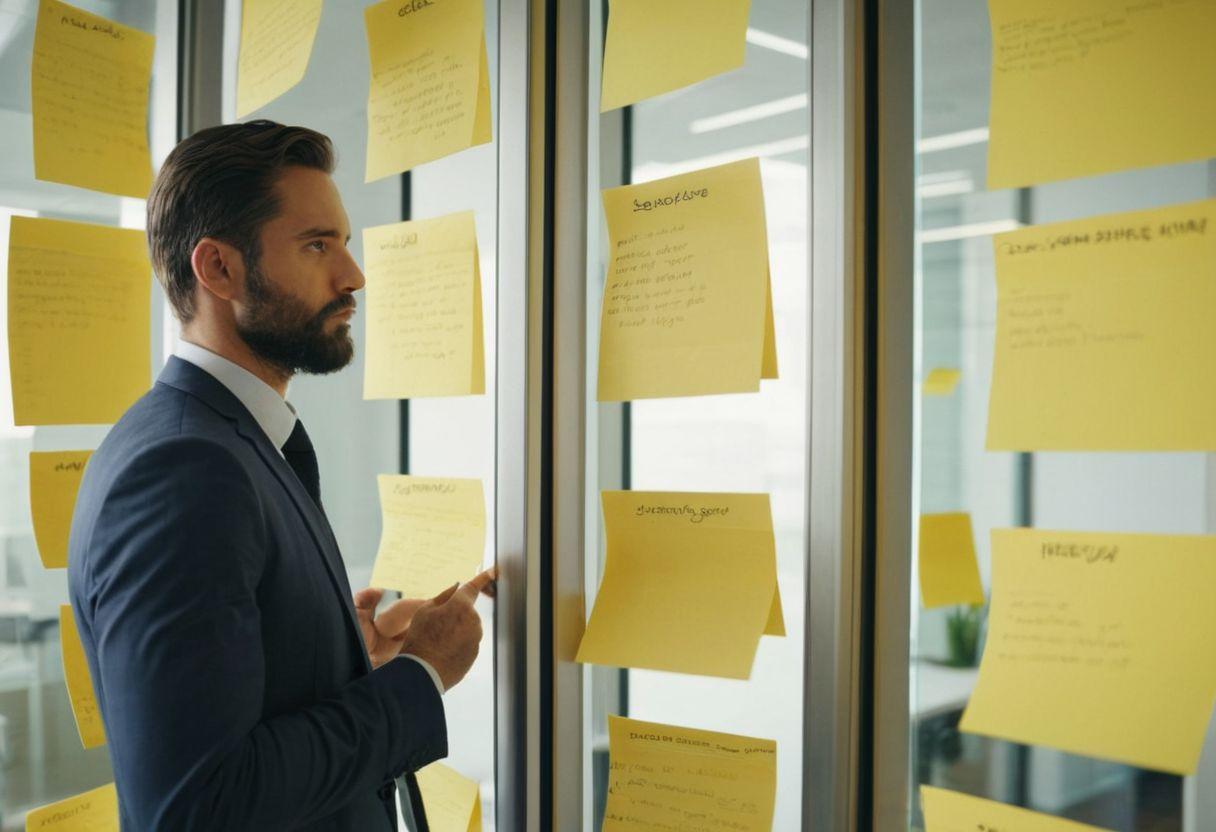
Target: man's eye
[(317, 245)]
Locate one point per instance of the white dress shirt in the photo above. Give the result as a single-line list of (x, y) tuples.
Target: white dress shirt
[(274, 416)]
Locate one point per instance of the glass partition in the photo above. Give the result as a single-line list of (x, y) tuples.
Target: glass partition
[(358, 439), (749, 442), (957, 214), (41, 758), (455, 437)]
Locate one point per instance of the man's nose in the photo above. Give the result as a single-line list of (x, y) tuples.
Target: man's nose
[(350, 276)]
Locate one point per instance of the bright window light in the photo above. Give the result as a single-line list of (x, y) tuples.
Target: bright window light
[(948, 141), (656, 170), (962, 232), (749, 114), (777, 43)]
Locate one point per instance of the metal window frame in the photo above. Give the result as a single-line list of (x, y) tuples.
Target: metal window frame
[(835, 488), (859, 478), (522, 649)]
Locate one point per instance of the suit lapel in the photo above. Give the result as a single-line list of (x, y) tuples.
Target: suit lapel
[(184, 376)]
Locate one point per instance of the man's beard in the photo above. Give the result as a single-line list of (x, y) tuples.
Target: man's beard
[(281, 331)]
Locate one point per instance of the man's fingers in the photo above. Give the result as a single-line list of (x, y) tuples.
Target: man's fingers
[(367, 599), (442, 598), (478, 583), (396, 616)]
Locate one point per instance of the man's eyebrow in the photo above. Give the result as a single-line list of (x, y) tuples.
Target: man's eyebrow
[(309, 233)]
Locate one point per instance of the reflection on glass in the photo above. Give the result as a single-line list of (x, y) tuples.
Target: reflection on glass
[(357, 439), (754, 442), (1117, 492), (41, 758)]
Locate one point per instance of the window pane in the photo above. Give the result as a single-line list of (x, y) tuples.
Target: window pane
[(1168, 493), (41, 758), (751, 442)]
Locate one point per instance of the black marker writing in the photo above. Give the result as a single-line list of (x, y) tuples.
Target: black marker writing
[(1088, 552), (672, 199), (413, 6), (694, 515)]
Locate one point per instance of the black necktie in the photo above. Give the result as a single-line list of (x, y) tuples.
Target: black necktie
[(298, 452)]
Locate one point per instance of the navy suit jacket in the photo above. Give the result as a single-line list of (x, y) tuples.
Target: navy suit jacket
[(217, 619)]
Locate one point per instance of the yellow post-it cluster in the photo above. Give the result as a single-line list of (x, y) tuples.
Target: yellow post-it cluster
[(1050, 117), (433, 534), (661, 776), (688, 305), (54, 480), (690, 583), (89, 97), (1103, 328), (79, 683), (1106, 630), (276, 42), (430, 83), (451, 800), (79, 301), (949, 572), (652, 48), (947, 811), (424, 316), (941, 381), (93, 811)]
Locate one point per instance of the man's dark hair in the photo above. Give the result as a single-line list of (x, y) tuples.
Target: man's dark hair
[(220, 183)]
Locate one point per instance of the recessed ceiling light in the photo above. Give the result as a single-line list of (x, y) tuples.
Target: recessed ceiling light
[(785, 46), (749, 114), (948, 141), (962, 232)]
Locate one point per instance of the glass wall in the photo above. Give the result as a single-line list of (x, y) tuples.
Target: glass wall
[(957, 213), (751, 442), (41, 759), (455, 437), (356, 439)]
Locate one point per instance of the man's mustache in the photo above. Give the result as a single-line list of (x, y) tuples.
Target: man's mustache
[(340, 305)]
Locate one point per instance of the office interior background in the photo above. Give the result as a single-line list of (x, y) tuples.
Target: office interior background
[(871, 121)]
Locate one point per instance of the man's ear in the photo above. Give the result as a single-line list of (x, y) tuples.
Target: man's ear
[(218, 268)]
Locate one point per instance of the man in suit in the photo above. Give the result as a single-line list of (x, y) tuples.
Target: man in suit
[(240, 684)]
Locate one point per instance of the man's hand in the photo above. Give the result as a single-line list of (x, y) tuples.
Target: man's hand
[(384, 634), (446, 630)]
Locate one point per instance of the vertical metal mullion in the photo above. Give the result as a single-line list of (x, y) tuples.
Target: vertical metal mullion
[(836, 442), (403, 417), (200, 65), (893, 232), (521, 655), (570, 122)]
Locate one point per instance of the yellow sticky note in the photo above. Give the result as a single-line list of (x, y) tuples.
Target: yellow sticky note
[(430, 86), (276, 42), (690, 583), (949, 572), (79, 683), (653, 48), (947, 811), (1100, 644), (1088, 87), (424, 320), (670, 777), (93, 811), (941, 381), (79, 301), (433, 534), (1104, 333), (688, 303), (89, 95), (451, 800), (54, 481)]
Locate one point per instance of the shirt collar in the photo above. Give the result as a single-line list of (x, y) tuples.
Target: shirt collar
[(271, 411)]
